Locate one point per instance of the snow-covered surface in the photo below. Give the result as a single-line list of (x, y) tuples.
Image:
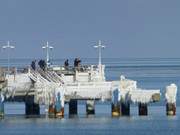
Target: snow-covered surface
[(46, 88), (68, 79), (116, 97), (142, 96), (86, 90), (171, 92), (130, 92), (18, 82), (127, 85), (1, 97)]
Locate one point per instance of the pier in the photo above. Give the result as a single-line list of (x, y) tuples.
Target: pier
[(3, 84), (55, 86), (53, 89)]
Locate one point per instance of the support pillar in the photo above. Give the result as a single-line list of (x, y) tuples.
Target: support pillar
[(125, 108), (1, 109), (1, 106), (51, 111), (170, 95), (171, 109), (59, 106), (73, 107), (90, 107), (32, 109), (116, 111), (143, 109), (115, 106)]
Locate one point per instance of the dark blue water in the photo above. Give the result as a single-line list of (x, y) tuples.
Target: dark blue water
[(157, 123), (153, 73)]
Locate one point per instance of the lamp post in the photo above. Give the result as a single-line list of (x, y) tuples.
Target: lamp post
[(100, 68), (100, 47), (8, 47), (47, 47)]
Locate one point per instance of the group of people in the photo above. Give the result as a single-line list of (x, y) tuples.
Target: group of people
[(77, 63), (42, 64)]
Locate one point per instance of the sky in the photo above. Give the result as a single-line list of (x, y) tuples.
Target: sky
[(128, 28)]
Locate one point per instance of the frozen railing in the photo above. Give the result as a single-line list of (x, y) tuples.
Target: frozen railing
[(47, 85), (130, 92), (143, 96)]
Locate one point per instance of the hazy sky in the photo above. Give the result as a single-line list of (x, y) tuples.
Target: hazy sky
[(129, 28)]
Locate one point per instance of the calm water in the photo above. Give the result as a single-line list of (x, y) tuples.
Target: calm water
[(150, 73)]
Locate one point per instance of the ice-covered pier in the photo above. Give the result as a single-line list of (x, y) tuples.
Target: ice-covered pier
[(53, 86)]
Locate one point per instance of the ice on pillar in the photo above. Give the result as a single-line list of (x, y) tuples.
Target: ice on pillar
[(126, 86), (59, 105), (170, 95), (116, 103), (1, 105), (90, 107)]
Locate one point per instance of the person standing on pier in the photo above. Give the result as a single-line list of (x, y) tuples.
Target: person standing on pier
[(42, 64), (66, 64), (77, 64), (33, 65)]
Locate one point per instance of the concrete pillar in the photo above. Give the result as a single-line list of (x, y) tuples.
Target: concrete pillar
[(143, 109), (171, 109), (51, 111), (1, 109), (115, 106), (1, 106), (116, 110), (32, 109), (170, 95), (59, 106), (90, 107), (73, 107), (125, 108)]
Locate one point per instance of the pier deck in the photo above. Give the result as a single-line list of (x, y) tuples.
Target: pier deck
[(53, 88)]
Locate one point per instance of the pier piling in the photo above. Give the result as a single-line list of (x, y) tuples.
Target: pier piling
[(170, 95), (171, 109), (51, 111), (73, 107), (125, 108), (116, 110), (32, 109), (90, 107), (115, 106), (1, 109), (59, 106), (143, 109)]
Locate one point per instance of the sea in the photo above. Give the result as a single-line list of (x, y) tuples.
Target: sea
[(150, 73)]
